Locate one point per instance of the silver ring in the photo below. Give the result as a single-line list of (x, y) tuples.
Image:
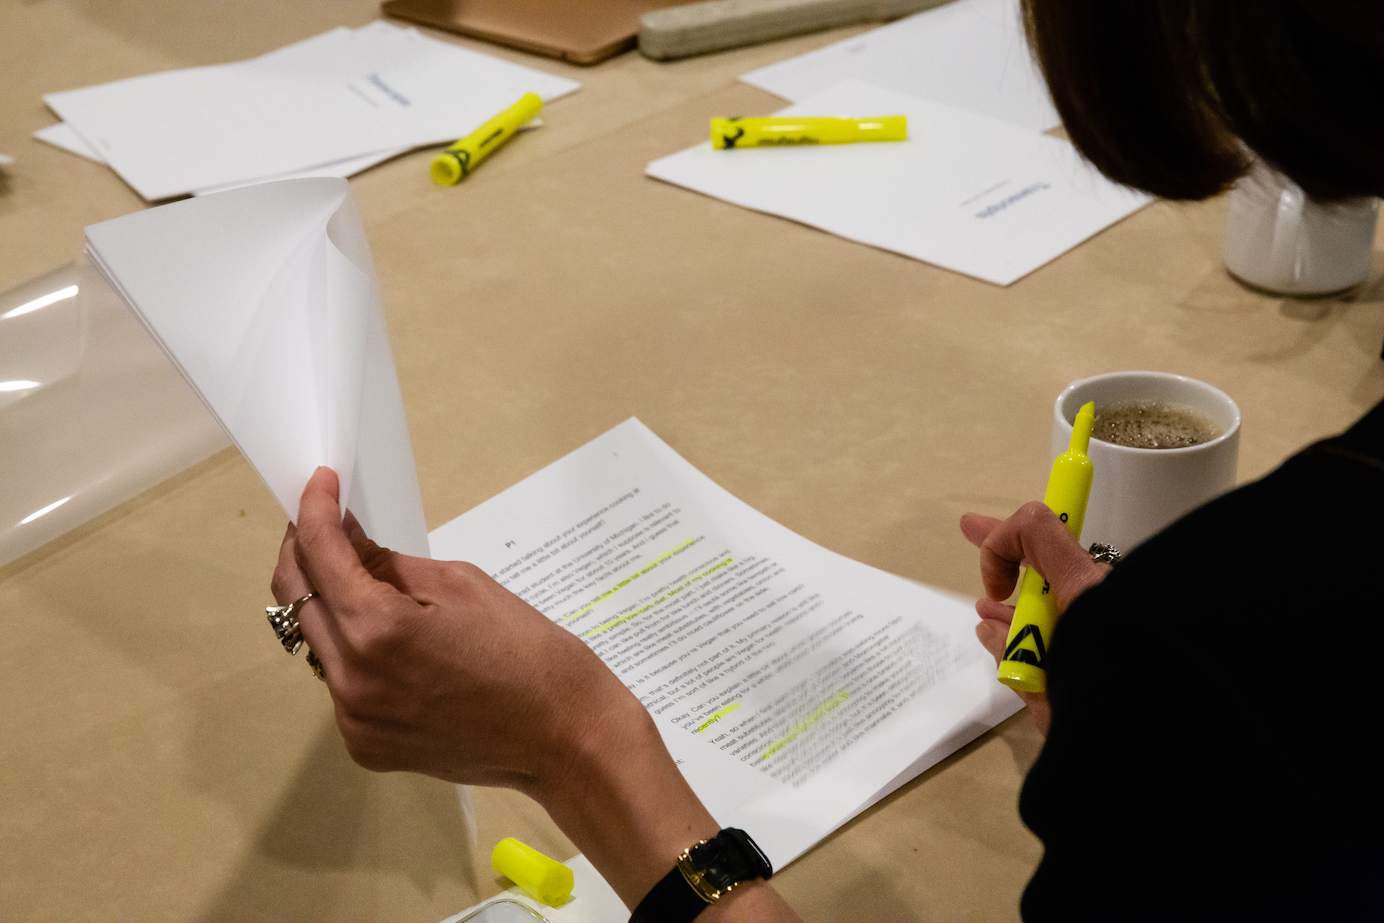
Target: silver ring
[(284, 620), (1102, 553)]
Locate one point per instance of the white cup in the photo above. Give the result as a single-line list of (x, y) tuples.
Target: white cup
[(1136, 492), (1278, 239)]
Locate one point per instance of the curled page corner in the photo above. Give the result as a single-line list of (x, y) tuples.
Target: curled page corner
[(265, 298)]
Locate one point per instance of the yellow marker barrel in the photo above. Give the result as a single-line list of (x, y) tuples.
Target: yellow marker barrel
[(546, 879), (456, 163), (1024, 666), (789, 131)]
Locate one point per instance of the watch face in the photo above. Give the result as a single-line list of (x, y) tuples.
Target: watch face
[(711, 861), (730, 858)]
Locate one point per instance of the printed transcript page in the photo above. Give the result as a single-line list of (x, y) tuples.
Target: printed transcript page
[(793, 686)]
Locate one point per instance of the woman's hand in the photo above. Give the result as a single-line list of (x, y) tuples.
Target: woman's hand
[(1032, 536), (435, 668)]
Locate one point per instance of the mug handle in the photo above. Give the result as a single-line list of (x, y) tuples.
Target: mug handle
[(1285, 250)]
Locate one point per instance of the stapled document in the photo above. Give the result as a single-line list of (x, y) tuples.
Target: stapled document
[(794, 686)]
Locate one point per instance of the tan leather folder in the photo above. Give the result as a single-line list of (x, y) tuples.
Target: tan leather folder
[(580, 31)]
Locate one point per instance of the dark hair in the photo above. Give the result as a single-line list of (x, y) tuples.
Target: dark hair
[(1164, 95)]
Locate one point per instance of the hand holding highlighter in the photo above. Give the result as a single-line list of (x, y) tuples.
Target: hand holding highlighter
[(1024, 666)]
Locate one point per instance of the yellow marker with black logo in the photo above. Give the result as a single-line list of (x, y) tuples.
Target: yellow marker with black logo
[(795, 131), (1024, 666), (456, 163)]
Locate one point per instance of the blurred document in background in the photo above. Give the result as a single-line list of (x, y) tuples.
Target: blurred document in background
[(965, 191), (341, 98), (970, 54), (60, 134)]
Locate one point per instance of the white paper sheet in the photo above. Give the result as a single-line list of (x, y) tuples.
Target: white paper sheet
[(340, 95), (266, 300), (61, 135), (965, 191), (969, 53), (792, 685), (339, 169)]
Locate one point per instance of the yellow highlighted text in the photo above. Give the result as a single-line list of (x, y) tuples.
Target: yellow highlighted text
[(818, 713), (627, 581), (717, 715), (642, 609)]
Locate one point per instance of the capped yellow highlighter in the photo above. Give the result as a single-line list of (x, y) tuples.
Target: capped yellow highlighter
[(456, 163), (546, 879), (790, 131), (1024, 666)]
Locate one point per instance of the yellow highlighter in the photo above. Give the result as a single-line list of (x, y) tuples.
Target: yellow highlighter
[(546, 879), (799, 130), (456, 163), (1024, 666)]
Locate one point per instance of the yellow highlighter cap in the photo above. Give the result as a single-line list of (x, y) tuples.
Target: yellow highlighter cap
[(446, 170), (546, 879), (1022, 677)]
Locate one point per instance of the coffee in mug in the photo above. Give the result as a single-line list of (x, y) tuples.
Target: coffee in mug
[(1138, 490), (1152, 425)]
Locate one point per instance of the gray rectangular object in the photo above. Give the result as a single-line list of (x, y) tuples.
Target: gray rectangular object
[(716, 25)]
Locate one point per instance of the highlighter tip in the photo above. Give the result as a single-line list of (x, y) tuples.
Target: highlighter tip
[(1081, 428)]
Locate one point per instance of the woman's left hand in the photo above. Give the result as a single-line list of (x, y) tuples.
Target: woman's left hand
[(1032, 536)]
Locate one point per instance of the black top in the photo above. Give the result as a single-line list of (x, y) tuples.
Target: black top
[(1215, 744)]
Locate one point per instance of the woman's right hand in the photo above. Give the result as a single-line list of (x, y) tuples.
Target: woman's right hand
[(1032, 536), (435, 668)]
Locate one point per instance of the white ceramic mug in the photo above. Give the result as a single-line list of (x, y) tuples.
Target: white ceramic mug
[(1278, 239), (1136, 492)]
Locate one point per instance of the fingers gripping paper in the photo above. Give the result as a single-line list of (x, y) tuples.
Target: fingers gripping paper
[(266, 299)]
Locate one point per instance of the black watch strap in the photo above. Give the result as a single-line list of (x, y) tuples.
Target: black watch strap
[(702, 875)]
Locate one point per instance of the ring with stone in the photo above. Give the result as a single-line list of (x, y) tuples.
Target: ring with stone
[(284, 620), (1102, 553)]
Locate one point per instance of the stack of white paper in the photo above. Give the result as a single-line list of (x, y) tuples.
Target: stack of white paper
[(794, 687), (60, 134), (969, 53), (332, 104), (266, 300), (965, 191)]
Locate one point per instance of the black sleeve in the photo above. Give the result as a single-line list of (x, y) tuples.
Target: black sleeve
[(1214, 744)]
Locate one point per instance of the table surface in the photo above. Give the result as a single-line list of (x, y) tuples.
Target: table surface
[(162, 759)]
